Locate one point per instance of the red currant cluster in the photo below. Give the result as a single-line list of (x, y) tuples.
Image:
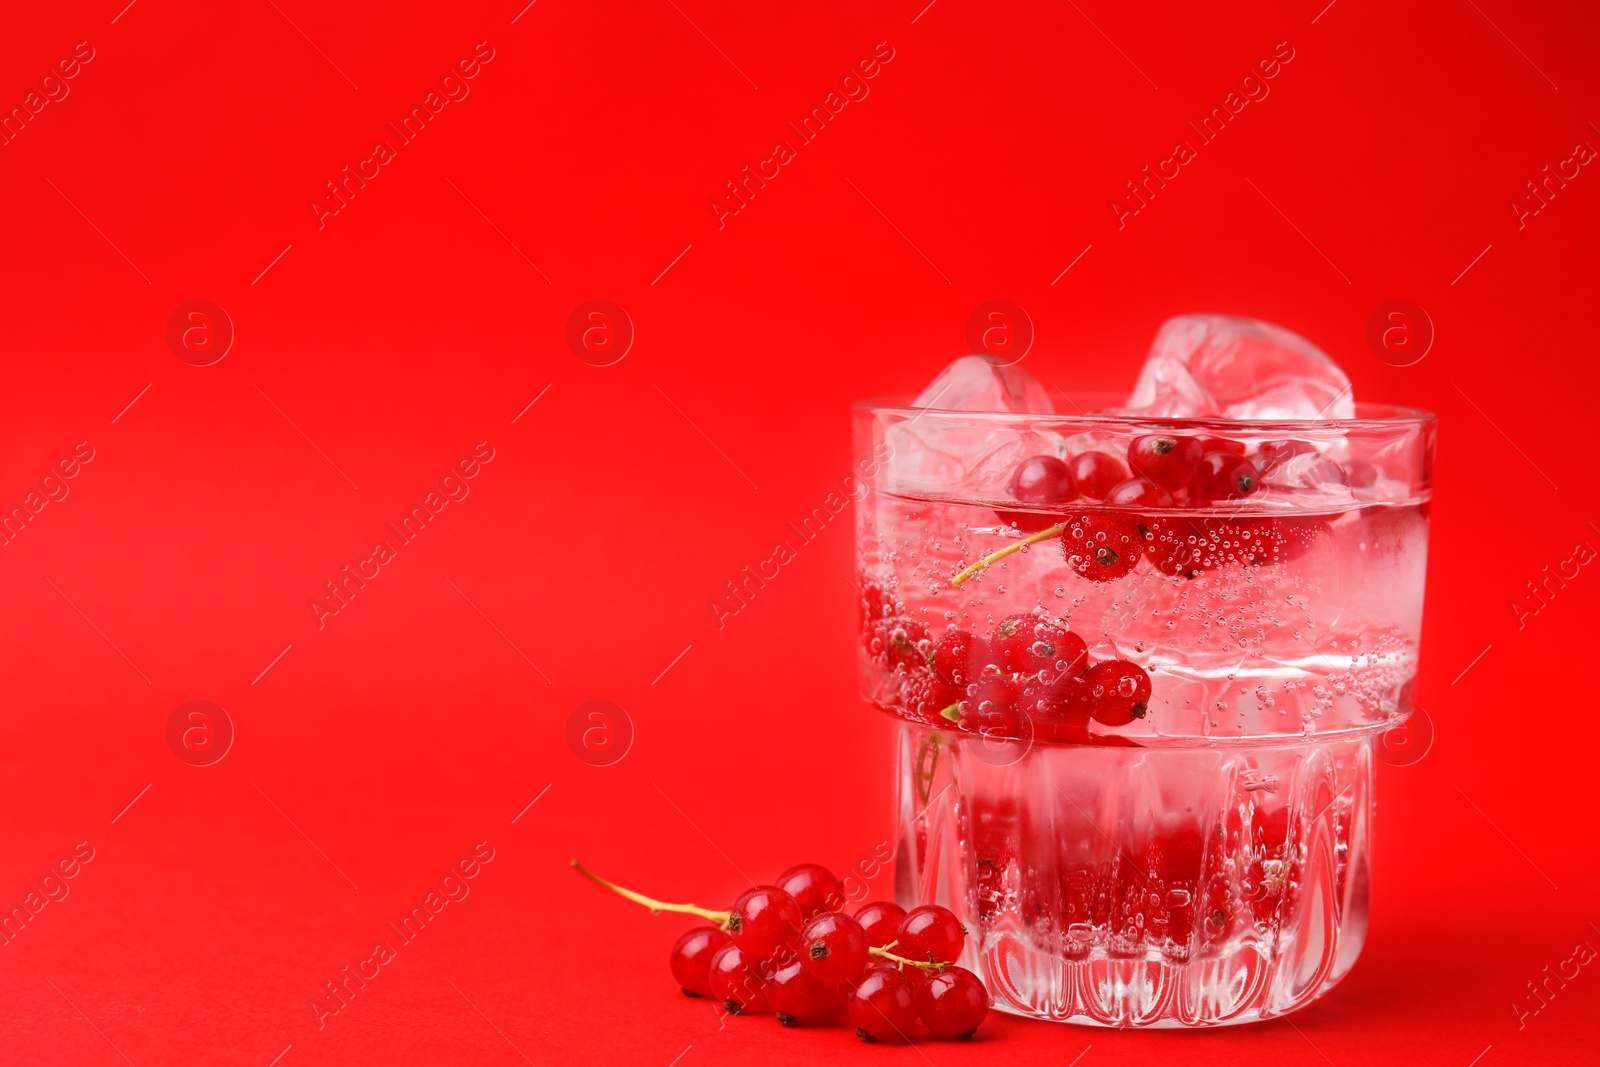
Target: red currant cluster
[(1170, 471), (1031, 678), (791, 949)]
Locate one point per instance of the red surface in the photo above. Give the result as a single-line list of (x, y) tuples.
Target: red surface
[(409, 328)]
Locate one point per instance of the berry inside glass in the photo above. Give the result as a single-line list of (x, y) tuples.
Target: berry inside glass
[(1141, 668)]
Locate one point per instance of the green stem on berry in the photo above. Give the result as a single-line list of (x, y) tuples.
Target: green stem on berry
[(1002, 553), (953, 712), (656, 906), (884, 954)]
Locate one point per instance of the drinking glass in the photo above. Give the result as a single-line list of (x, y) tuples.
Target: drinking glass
[(1196, 854)]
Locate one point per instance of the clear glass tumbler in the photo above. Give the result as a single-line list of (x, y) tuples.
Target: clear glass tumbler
[(1141, 702)]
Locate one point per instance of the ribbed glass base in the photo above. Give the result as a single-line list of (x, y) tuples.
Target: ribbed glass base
[(1129, 886)]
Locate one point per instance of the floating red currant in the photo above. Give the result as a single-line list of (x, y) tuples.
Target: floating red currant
[(1102, 547), (1072, 657), (1185, 547), (990, 709), (1260, 542), (1042, 481), (952, 1003), (1139, 493), (1226, 476), (1094, 473), (1176, 545), (877, 602), (900, 642), (959, 657), (691, 959), (1027, 643), (1170, 461), (1222, 444), (1119, 692), (1054, 696), (924, 697)]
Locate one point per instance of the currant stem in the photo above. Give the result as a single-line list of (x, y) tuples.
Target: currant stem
[(1002, 553), (884, 954), (655, 906)]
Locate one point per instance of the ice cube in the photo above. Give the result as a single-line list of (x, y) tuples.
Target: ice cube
[(1222, 366), (980, 383), (943, 454)]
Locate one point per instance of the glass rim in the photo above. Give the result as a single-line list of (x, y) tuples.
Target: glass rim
[(1369, 416)]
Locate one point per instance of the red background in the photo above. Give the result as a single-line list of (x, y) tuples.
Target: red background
[(379, 349)]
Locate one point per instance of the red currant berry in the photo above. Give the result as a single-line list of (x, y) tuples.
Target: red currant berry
[(1047, 664), (1054, 696), (799, 999), (1223, 444), (736, 981), (763, 919), (990, 709), (883, 1006), (1094, 473), (1260, 542), (781, 957), (1071, 657), (833, 948), (877, 602), (1225, 476), (880, 922), (1169, 460), (959, 657), (952, 1003), (917, 976), (1119, 692), (1011, 639), (1102, 547), (1139, 493), (931, 933), (691, 959), (925, 698), (1042, 481), (1177, 546), (813, 886), (899, 642), (1026, 643), (1034, 699)]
